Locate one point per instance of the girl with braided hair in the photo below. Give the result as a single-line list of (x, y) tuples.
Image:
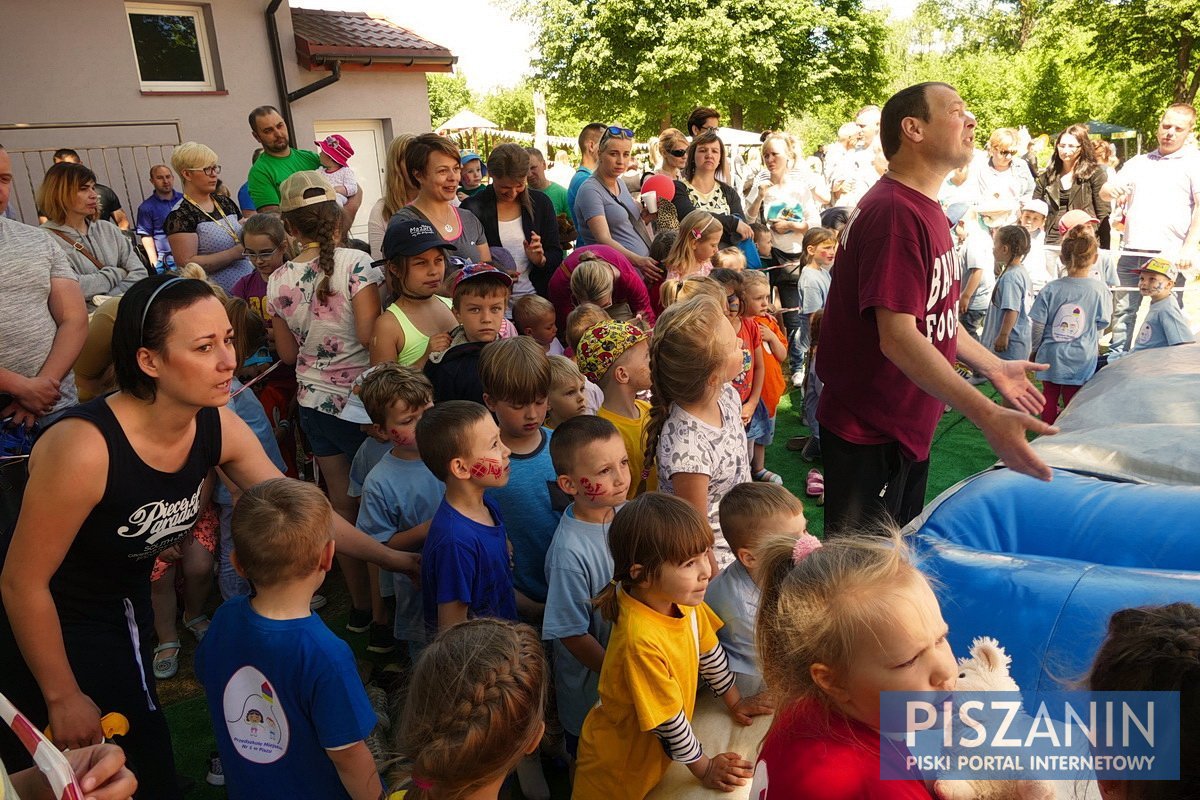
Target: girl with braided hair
[(474, 710), (323, 304), (1155, 649)]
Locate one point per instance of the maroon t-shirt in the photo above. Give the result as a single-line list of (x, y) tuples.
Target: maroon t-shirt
[(895, 253), (812, 754)]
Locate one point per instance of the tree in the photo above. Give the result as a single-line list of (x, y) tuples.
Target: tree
[(647, 65), (1157, 39), (448, 94)]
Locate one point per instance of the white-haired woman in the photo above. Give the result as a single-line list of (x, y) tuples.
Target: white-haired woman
[(205, 227)]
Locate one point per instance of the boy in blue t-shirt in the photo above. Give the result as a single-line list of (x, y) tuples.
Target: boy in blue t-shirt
[(289, 708), (752, 511), (1006, 328), (593, 468), (466, 569), (399, 498), (1165, 323), (516, 381)]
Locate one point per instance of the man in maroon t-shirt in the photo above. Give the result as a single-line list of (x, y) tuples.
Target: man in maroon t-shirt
[(890, 334)]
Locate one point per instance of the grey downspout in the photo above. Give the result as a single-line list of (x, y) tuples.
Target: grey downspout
[(304, 91), (285, 105)]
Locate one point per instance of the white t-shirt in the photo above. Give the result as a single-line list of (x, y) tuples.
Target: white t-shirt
[(512, 239)]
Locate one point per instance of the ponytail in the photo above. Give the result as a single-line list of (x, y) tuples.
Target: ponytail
[(1079, 248), (318, 223)]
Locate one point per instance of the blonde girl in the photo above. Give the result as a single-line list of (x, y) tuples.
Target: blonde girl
[(592, 281), (820, 247), (1068, 317), (474, 710), (698, 241), (398, 191), (695, 435), (323, 304), (663, 640), (839, 623), (676, 291)]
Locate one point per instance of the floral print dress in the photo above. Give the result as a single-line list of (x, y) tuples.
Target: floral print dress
[(331, 356)]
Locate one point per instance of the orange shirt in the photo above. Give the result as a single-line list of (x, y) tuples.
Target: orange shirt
[(773, 383)]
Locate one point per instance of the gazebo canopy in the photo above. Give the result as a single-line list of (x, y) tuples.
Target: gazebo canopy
[(1109, 129), (466, 120)]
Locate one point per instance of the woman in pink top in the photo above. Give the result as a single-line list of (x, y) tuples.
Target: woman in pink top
[(628, 284)]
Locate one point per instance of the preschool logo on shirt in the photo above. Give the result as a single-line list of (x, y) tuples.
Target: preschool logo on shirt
[(1000, 735), (254, 718)]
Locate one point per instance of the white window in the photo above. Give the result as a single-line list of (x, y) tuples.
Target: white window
[(172, 46)]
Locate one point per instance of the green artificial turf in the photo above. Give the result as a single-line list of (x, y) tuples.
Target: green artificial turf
[(959, 450)]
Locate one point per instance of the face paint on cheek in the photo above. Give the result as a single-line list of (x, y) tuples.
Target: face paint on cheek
[(400, 438), (592, 490), (486, 467)]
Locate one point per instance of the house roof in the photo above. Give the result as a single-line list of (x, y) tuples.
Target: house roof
[(368, 40)]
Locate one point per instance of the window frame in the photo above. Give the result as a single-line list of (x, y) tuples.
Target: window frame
[(203, 40)]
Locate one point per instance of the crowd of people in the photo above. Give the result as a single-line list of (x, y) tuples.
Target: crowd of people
[(529, 422)]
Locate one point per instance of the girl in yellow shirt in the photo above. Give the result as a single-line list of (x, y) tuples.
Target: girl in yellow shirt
[(663, 640)]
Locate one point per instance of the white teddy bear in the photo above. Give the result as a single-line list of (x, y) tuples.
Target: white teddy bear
[(987, 671)]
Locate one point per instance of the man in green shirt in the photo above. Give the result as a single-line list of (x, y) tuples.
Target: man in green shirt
[(278, 161), (539, 181)]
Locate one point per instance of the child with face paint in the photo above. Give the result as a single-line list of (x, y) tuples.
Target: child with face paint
[(1165, 323), (399, 498), (466, 566)]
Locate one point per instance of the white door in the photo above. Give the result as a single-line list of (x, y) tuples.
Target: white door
[(366, 137)]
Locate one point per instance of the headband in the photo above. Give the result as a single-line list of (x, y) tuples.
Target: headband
[(153, 296)]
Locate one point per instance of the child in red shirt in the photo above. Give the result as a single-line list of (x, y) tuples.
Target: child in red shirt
[(839, 623), (749, 383)]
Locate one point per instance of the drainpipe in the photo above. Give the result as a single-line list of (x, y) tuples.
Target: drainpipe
[(304, 91), (285, 105)]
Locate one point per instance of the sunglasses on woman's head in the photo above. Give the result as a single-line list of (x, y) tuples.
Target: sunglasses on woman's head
[(617, 130)]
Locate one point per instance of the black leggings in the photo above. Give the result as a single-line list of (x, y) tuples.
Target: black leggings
[(866, 484), (104, 658)]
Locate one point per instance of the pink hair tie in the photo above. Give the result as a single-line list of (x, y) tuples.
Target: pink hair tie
[(804, 547), (422, 784), (696, 233)]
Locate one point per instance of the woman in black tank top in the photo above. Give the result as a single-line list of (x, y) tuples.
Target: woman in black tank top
[(113, 483)]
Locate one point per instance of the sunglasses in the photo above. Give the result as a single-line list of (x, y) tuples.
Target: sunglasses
[(1009, 153), (680, 153), (617, 130)]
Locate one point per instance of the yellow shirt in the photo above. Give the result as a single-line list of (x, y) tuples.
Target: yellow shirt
[(651, 671), (633, 432)]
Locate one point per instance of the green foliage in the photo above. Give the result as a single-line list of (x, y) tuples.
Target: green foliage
[(448, 94), (646, 65)]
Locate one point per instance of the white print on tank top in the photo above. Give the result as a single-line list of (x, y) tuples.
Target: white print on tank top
[(160, 519), (1068, 322), (758, 784), (256, 723)]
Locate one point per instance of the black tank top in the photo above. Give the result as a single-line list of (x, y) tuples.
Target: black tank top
[(143, 512)]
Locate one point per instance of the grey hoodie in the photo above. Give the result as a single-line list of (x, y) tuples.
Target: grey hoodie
[(110, 246)]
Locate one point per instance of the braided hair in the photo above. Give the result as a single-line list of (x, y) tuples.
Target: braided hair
[(475, 707), (320, 223)]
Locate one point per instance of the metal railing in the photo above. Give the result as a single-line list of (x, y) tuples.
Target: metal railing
[(125, 168)]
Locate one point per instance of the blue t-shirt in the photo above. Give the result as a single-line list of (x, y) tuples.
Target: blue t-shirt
[(814, 288), (365, 459), (578, 566), (399, 494), (151, 215), (595, 200), (527, 507), (1165, 325), (581, 175), (977, 255), (1074, 312), (466, 562), (247, 406), (245, 203), (280, 693), (733, 596), (1013, 292)]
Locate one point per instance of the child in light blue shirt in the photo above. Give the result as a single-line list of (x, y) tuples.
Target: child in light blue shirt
[(752, 511), (399, 498), (1006, 328), (1165, 323), (1068, 317), (593, 469)]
